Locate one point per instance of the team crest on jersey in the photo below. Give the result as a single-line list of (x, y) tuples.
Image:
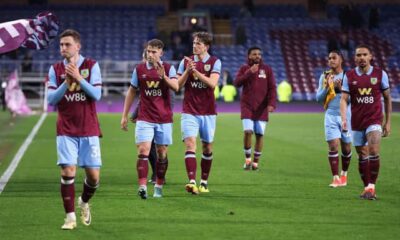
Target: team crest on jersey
[(374, 81), (207, 67), (262, 74), (85, 73), (143, 75), (354, 82)]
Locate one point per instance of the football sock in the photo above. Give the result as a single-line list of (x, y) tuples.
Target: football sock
[(363, 170), (374, 164), (247, 154), (142, 168), (191, 165), (346, 161), (161, 170), (68, 193), (206, 161), (256, 156), (333, 157), (88, 190)]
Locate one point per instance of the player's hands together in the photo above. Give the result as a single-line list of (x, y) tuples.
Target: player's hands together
[(160, 70), (124, 123), (386, 130), (73, 71), (191, 65)]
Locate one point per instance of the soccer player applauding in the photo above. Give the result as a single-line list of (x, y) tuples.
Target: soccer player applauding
[(329, 92), (199, 75), (153, 79), (74, 87)]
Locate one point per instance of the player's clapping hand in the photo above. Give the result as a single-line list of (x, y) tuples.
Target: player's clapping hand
[(124, 123), (73, 71), (254, 68), (160, 70), (191, 66)]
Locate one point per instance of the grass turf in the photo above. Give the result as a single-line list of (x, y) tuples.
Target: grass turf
[(288, 198)]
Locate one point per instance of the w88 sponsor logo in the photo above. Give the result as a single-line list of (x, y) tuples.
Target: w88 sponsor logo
[(365, 100), (76, 97)]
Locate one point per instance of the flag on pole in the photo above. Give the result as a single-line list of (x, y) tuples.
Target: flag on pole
[(15, 98), (28, 33)]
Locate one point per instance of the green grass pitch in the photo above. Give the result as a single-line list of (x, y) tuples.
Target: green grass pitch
[(288, 198)]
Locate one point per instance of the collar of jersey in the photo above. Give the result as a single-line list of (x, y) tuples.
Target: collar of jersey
[(205, 59), (148, 66), (359, 73), (80, 61)]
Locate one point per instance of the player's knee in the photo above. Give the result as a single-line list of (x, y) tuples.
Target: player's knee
[(207, 148), (68, 171), (190, 144), (248, 132)]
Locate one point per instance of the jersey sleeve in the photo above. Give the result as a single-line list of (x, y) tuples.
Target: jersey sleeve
[(134, 79), (181, 67), (345, 84), (95, 75), (172, 72), (217, 67), (385, 81)]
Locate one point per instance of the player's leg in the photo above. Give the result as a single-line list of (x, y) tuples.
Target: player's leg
[(345, 142), (333, 157), (144, 134), (259, 130), (374, 135), (248, 126), (360, 143), (207, 132), (332, 136), (163, 138), (67, 151), (152, 161), (190, 128), (89, 159), (346, 157)]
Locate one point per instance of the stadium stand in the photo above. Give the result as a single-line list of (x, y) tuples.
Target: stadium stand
[(295, 45)]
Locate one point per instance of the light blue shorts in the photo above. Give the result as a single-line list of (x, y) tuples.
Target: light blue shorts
[(360, 137), (191, 125), (258, 127), (333, 128), (81, 151), (160, 132)]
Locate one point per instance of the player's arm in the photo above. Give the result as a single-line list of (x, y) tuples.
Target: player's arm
[(322, 90), (55, 94), (387, 99), (271, 91), (130, 95), (242, 76), (211, 81), (170, 79), (93, 89), (343, 109), (183, 74)]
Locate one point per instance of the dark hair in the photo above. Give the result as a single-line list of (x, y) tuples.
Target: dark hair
[(253, 48), (338, 52), (204, 37), (71, 33), (155, 43), (362, 45)]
